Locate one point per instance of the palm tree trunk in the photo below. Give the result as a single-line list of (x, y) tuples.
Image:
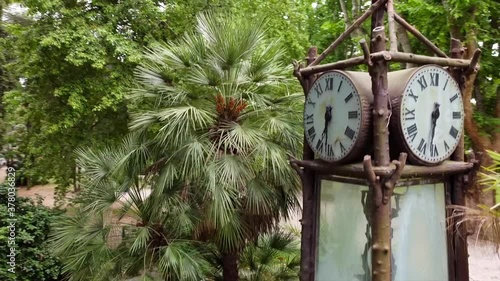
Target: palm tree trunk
[(230, 266)]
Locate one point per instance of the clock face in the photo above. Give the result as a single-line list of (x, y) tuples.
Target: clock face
[(332, 116), (431, 114)]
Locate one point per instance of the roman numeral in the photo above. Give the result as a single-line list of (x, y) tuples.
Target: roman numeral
[(320, 145), (342, 148), (311, 103), (453, 132), (352, 115), (349, 132), (445, 84), (452, 99), (422, 82), (318, 89), (411, 113), (412, 131), (309, 119), (312, 133), (422, 146), (446, 146), (413, 95), (330, 151), (348, 98), (457, 114), (329, 84), (434, 151), (340, 85), (434, 79)]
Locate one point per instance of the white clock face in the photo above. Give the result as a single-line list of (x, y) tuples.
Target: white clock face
[(431, 114), (332, 116)]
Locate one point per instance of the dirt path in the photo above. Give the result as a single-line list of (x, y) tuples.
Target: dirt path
[(484, 263)]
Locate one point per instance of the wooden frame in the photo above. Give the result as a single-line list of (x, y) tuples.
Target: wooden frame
[(383, 175)]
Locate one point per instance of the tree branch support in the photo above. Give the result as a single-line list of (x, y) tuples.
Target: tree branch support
[(356, 24), (419, 36)]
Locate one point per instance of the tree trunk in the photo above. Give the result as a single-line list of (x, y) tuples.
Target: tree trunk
[(230, 266), (357, 32), (404, 41), (496, 143)]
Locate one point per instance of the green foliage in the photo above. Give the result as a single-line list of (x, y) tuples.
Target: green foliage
[(275, 256), (207, 160), (34, 258), (223, 121), (77, 59), (490, 178), (485, 219)]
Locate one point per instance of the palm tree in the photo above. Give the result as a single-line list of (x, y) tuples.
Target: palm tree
[(275, 256), (121, 229), (220, 120), (485, 219)]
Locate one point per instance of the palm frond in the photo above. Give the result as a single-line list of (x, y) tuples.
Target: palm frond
[(182, 261)]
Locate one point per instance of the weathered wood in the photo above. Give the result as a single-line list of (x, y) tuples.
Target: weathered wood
[(450, 229), (419, 35), (380, 209), (356, 24), (474, 63), (341, 64), (459, 242), (349, 170), (388, 56), (366, 52), (419, 59), (308, 240), (392, 27), (446, 168), (394, 178), (457, 52), (296, 72)]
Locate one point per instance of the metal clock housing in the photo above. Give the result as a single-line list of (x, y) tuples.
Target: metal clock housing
[(428, 115), (337, 116)]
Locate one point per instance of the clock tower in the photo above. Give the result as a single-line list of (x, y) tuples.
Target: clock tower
[(366, 217)]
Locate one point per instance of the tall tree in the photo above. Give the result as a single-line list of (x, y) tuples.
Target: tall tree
[(76, 60), (225, 124)]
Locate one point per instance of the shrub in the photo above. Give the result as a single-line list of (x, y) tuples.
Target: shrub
[(33, 259)]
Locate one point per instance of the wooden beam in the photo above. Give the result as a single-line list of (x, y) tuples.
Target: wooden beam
[(474, 63), (341, 64), (309, 200), (356, 170), (366, 52), (348, 31), (419, 36), (459, 239), (444, 169), (392, 27), (350, 170), (388, 56), (419, 59)]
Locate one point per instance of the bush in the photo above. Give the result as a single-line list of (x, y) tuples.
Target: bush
[(33, 259)]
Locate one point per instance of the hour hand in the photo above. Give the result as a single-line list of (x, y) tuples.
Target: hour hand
[(328, 119), (434, 117)]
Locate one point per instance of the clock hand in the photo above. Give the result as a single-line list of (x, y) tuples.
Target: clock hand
[(434, 117), (328, 119)]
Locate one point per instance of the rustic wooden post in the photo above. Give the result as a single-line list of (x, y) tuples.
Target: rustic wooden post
[(461, 261), (380, 196), (309, 199)]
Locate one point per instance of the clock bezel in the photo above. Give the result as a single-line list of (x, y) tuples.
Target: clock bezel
[(364, 135), (397, 102)]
